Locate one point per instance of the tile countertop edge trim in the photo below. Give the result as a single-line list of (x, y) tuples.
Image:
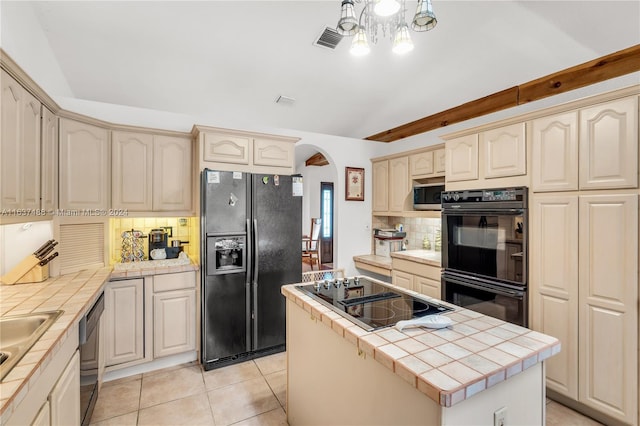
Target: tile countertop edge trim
[(60, 335), (442, 397)]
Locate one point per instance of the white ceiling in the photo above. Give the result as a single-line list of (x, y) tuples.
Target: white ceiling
[(227, 61)]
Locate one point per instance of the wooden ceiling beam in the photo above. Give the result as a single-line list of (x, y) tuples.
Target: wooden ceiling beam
[(316, 159), (610, 66)]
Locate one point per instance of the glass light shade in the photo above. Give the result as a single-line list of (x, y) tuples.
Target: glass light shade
[(386, 7), (348, 24), (424, 19), (402, 41), (360, 45)]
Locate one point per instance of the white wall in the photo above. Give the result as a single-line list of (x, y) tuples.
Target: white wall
[(22, 37)]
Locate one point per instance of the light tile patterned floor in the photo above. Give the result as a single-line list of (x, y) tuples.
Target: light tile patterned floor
[(252, 393)]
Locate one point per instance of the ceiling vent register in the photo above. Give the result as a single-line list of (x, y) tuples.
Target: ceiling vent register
[(329, 39)]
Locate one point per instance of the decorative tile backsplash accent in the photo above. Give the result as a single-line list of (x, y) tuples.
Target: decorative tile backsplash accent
[(184, 229), (417, 228)]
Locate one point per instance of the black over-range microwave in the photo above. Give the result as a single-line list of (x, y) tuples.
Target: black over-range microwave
[(427, 197)]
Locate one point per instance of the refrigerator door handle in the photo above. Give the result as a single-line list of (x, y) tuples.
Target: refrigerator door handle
[(255, 315), (255, 251), (248, 305)]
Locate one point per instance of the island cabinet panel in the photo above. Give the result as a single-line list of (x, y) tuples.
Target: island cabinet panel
[(554, 284), (504, 151), (84, 166), (378, 395), (132, 156), (608, 317), (555, 153), (43, 418), (609, 145), (380, 172), (462, 158)]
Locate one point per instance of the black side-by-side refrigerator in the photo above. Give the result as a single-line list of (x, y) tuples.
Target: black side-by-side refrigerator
[(251, 227)]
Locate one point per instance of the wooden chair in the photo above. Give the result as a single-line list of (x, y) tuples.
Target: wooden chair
[(311, 244)]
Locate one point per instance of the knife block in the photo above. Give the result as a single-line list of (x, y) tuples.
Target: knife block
[(36, 274), (27, 271)]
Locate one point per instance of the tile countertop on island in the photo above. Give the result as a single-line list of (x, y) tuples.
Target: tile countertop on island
[(448, 365), (74, 294)]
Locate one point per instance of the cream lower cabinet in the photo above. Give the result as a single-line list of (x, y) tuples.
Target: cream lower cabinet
[(84, 166), (584, 290), (416, 276), (124, 319), (64, 399), (43, 418), (174, 314), (19, 146), (148, 318)]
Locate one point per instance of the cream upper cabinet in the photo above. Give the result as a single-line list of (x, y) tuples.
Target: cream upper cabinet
[(84, 166), (609, 145), (267, 152), (555, 153), (421, 164), (236, 150), (439, 161), (151, 172), (172, 174), (380, 172), (399, 184), (608, 304), (462, 158), (131, 182), (504, 151), (224, 148), (554, 284), (19, 147), (124, 321), (49, 184), (584, 290)]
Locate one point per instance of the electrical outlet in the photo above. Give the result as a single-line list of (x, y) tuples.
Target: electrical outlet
[(500, 416)]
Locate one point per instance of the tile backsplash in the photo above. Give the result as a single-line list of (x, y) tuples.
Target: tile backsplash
[(183, 228), (417, 228)]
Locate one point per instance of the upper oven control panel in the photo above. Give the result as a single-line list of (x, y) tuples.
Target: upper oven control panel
[(517, 194)]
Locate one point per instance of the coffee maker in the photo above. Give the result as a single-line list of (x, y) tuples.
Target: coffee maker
[(157, 240)]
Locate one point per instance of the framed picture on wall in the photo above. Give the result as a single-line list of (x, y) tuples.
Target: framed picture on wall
[(354, 184)]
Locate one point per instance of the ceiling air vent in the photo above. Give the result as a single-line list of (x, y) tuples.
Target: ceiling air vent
[(329, 39)]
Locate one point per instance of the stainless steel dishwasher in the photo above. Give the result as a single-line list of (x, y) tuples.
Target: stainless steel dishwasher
[(90, 359)]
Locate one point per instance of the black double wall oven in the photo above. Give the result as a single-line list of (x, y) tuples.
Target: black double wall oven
[(484, 256)]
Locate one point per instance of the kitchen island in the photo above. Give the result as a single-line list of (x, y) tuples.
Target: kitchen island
[(478, 368)]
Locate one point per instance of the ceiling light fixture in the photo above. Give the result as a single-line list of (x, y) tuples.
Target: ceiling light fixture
[(389, 17)]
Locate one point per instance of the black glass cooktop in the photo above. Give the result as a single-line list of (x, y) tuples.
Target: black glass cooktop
[(370, 304)]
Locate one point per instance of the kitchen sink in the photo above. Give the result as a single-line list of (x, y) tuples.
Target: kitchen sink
[(18, 333)]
